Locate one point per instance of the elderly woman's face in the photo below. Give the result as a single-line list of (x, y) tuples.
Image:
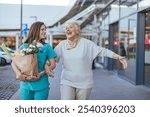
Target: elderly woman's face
[(71, 31)]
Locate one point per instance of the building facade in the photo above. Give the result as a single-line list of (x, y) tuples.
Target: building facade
[(125, 29)]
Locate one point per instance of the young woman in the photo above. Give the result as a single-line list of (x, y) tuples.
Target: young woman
[(39, 89), (76, 55)]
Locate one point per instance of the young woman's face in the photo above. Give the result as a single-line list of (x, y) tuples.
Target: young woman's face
[(71, 32), (42, 32)]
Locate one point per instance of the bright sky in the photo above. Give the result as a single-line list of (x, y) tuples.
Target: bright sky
[(38, 2), (48, 11)]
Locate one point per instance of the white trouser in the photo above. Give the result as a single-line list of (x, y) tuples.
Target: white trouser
[(72, 93)]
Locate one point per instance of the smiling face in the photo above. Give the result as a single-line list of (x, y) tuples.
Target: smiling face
[(42, 34), (37, 32), (72, 31)]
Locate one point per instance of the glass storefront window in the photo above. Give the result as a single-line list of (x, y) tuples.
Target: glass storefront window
[(115, 42), (104, 28), (105, 37), (144, 4), (147, 49), (115, 37), (127, 47), (105, 42), (127, 7)]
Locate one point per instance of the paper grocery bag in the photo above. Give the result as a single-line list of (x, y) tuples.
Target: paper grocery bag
[(28, 65)]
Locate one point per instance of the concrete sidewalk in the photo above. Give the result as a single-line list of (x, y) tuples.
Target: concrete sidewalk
[(107, 86)]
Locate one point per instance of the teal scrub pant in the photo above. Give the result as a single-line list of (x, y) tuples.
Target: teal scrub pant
[(34, 95)]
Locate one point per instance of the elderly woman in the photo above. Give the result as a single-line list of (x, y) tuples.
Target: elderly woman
[(76, 55)]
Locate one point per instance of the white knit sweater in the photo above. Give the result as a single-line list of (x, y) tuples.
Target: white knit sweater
[(77, 62)]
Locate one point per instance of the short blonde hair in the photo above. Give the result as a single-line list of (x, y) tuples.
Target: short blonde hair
[(75, 24)]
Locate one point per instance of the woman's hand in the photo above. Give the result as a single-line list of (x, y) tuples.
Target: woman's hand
[(26, 78), (21, 77), (48, 70), (38, 75), (123, 61)]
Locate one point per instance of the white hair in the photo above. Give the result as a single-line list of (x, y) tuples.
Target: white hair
[(75, 24)]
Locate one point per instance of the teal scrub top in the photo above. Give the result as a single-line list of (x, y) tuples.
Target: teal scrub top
[(45, 53)]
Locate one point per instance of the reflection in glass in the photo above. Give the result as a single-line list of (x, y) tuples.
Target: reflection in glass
[(127, 45), (105, 42), (115, 43), (147, 49)]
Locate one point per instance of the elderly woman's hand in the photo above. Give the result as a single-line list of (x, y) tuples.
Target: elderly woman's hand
[(123, 61), (48, 70)]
